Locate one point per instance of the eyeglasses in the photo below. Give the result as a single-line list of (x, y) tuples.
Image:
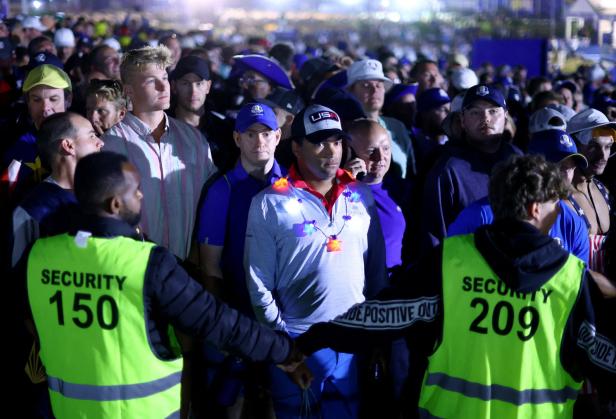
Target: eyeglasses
[(112, 84), (252, 81)]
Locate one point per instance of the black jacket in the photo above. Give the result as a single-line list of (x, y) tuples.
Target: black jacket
[(173, 297)]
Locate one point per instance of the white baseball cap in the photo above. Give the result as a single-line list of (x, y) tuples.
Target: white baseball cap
[(33, 22), (582, 124), (367, 70), (567, 112), (545, 119), (463, 78), (64, 38), (113, 43)]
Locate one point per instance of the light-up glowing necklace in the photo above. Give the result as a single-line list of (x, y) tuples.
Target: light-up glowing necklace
[(309, 227)]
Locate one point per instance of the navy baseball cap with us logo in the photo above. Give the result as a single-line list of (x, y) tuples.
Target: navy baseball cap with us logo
[(556, 145), (255, 113), (316, 123), (483, 92)]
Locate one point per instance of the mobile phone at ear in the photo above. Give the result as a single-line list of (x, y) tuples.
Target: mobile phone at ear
[(349, 154)]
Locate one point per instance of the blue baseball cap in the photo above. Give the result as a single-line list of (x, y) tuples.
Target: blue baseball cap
[(45, 57), (556, 145), (432, 98), (398, 90), (255, 113), (483, 92), (299, 60)]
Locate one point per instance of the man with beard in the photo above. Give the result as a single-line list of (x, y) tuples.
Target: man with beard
[(113, 354), (190, 85), (314, 248), (173, 156), (569, 229), (461, 174)]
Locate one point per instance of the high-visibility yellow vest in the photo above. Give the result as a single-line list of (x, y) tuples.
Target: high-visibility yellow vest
[(87, 301), (500, 353)]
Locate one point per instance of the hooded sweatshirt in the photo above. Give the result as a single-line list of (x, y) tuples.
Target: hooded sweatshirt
[(523, 258)]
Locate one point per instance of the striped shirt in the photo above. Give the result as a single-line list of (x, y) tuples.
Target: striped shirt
[(173, 172)]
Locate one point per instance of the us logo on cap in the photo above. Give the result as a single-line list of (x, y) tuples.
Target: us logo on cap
[(566, 140), (373, 65), (322, 115), (40, 58), (256, 109), (483, 91)]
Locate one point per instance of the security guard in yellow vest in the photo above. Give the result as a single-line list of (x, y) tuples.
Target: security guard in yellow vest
[(103, 303), (510, 322)]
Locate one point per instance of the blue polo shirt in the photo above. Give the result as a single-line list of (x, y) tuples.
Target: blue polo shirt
[(392, 223), (222, 221), (569, 229)]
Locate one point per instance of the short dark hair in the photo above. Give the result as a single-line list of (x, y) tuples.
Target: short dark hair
[(53, 129), (283, 53), (95, 58), (98, 177), (521, 180), (35, 44), (422, 62), (542, 99), (534, 83)]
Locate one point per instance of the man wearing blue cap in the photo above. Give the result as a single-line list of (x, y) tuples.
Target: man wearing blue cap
[(433, 106), (314, 248), (461, 174), (568, 230), (221, 222), (224, 209)]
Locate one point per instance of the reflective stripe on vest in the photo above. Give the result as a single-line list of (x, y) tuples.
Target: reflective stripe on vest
[(88, 306), (108, 393), (498, 392), (500, 353)]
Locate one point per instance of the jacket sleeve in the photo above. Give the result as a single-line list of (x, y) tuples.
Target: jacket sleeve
[(260, 259), (410, 308), (469, 219), (173, 295), (438, 203), (589, 344)]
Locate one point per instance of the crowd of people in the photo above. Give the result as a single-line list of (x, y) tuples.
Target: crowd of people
[(211, 230)]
